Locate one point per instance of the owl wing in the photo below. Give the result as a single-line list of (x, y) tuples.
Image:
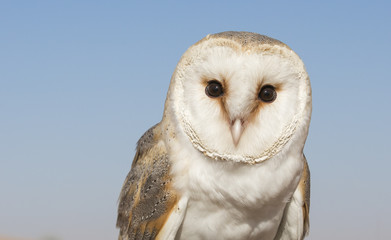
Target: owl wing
[(149, 208), (295, 222)]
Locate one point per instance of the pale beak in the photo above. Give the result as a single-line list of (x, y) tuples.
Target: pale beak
[(236, 130)]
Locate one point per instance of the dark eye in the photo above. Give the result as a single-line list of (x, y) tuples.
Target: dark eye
[(214, 89), (267, 94)]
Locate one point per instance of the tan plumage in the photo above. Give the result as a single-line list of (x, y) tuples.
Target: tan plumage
[(297, 209), (305, 188), (147, 196)]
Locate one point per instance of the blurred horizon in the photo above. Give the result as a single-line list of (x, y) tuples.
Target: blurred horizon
[(81, 81)]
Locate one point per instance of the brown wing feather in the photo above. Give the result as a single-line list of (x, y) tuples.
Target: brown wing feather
[(295, 221), (146, 197), (305, 185)]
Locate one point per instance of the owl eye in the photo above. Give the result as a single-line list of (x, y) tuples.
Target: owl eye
[(267, 94), (214, 89)]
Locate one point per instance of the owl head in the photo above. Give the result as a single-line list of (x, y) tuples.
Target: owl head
[(241, 97)]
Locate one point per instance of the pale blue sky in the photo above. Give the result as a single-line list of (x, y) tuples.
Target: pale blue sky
[(82, 80)]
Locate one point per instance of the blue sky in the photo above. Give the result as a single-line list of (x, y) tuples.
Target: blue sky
[(80, 81)]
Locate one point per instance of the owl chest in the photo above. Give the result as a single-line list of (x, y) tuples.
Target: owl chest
[(213, 221), (233, 201)]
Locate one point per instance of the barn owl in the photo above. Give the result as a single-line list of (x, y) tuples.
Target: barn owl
[(226, 161)]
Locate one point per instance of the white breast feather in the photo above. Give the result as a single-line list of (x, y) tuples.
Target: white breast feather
[(232, 200)]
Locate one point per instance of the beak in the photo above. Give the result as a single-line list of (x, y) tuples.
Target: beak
[(236, 130)]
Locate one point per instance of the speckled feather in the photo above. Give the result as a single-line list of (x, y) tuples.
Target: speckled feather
[(247, 38), (305, 187), (146, 197), (298, 205)]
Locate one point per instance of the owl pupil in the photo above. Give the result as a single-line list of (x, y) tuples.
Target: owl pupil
[(267, 94), (214, 89)]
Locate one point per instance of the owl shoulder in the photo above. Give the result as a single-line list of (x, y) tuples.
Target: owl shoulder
[(295, 222), (147, 196)]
